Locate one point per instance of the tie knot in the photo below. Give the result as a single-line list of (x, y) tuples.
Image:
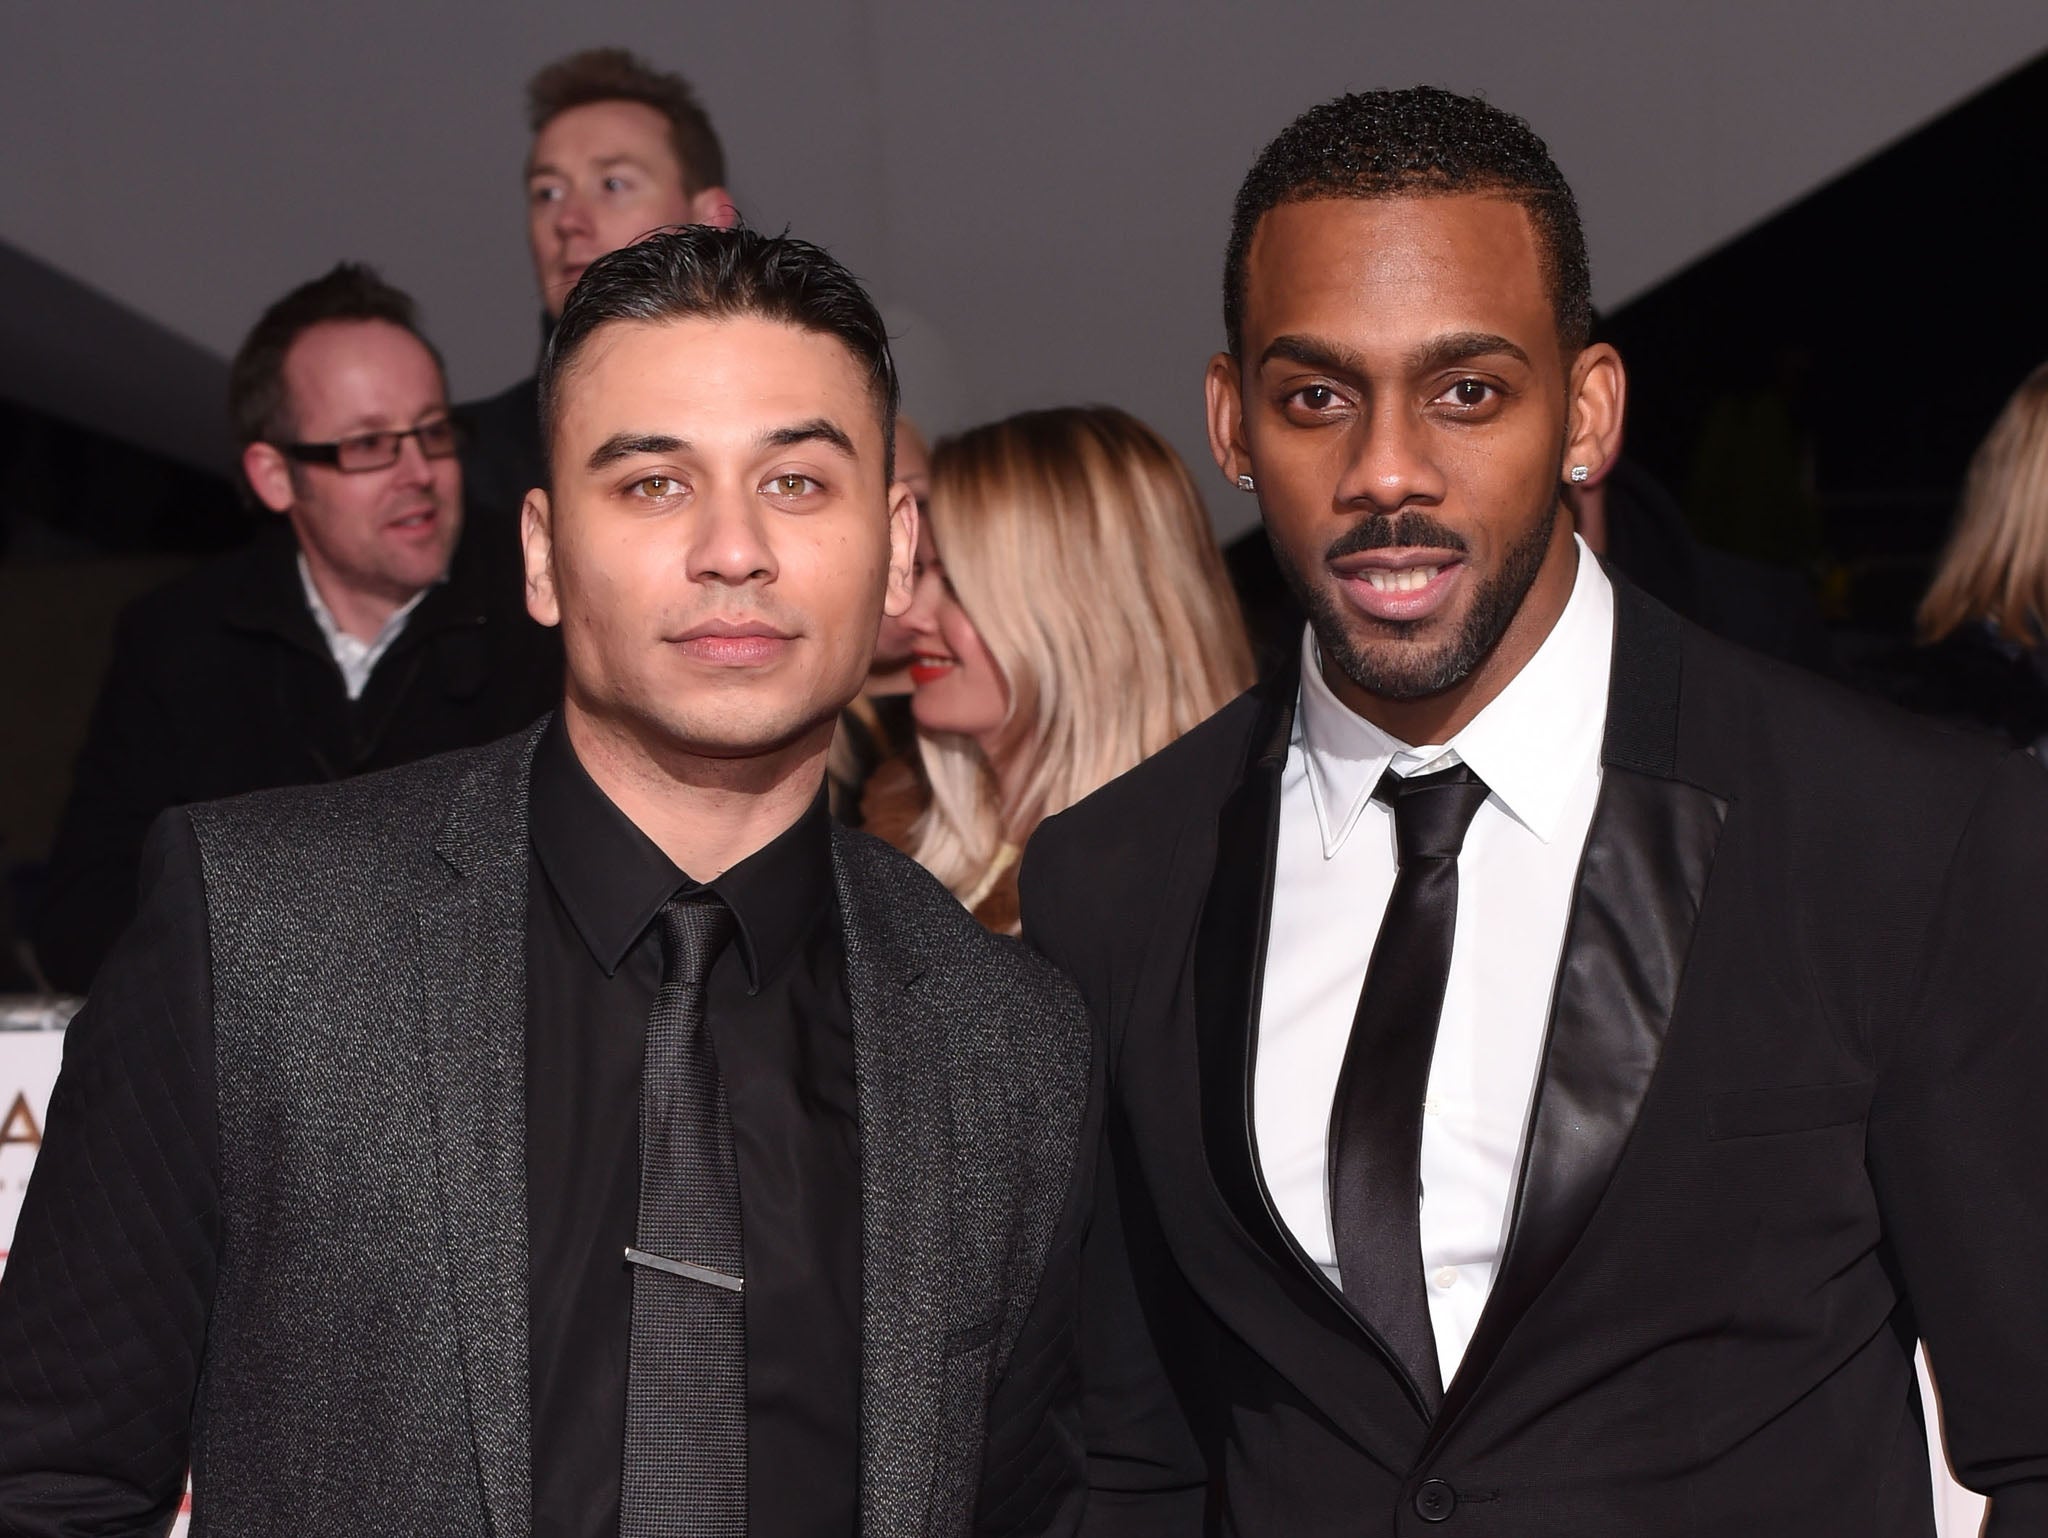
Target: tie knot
[(694, 929), (1432, 811)]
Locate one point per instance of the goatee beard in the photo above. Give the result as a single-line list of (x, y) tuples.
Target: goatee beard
[(1396, 671)]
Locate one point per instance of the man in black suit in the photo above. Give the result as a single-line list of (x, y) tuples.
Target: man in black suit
[(581, 1135), (366, 626), (1560, 1063), (619, 148)]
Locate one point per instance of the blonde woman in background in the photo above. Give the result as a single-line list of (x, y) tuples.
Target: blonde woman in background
[(1982, 656), (1072, 617)]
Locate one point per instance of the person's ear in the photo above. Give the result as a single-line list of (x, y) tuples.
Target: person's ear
[(902, 586), (269, 475), (1598, 398), (713, 206), (1225, 393), (537, 544)]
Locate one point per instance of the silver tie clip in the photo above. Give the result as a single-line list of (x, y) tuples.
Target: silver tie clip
[(683, 1268)]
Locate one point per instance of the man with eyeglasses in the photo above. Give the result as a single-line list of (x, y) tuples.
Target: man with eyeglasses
[(359, 632)]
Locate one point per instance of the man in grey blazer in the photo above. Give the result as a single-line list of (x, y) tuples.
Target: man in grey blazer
[(581, 1135)]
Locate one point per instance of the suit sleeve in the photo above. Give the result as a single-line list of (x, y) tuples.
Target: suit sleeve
[(105, 1298), (118, 789), (1959, 1146), (1034, 1471), (1146, 1476)]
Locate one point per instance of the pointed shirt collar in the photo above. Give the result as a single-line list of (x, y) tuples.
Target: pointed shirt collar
[(614, 880), (356, 658), (1530, 744)]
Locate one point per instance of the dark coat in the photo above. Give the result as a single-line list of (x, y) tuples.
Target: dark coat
[(278, 1221), (1769, 609), (221, 683), (1977, 677), (1788, 1120), (501, 453)]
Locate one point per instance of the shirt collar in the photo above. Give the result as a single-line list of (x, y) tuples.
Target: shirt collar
[(1530, 744), (356, 658), (614, 880)]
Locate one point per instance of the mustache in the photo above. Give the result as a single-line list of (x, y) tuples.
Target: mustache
[(1410, 530)]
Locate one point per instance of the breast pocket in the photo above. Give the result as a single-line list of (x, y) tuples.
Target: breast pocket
[(1775, 1112)]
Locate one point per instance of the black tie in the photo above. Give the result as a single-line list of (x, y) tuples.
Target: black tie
[(685, 1473), (1376, 1121)]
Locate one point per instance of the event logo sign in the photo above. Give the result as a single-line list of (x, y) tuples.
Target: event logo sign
[(28, 1070)]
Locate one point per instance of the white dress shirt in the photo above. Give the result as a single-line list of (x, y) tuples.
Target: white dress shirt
[(1537, 747), (356, 659)]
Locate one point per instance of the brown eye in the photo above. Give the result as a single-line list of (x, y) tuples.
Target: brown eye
[(792, 485)]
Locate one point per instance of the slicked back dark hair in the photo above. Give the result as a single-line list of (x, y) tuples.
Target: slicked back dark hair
[(1421, 142), (698, 272), (616, 74), (258, 402)]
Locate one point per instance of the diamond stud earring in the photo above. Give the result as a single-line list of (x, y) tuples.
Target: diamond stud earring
[(1245, 483), (1580, 474)]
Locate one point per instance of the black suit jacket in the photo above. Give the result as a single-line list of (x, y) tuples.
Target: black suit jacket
[(502, 458), (1789, 1118), (221, 683), (297, 1253)]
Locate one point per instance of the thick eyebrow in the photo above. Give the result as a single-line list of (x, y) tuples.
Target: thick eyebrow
[(1310, 353), (817, 430), (1437, 353), (629, 445), (1462, 347)]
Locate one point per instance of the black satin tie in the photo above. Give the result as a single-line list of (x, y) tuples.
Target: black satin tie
[(1376, 1120), (685, 1470)]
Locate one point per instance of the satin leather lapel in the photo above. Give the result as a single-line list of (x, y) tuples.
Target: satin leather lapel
[(1641, 881), (473, 976), (901, 1058)]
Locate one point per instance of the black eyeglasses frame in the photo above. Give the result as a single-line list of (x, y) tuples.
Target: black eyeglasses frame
[(329, 454)]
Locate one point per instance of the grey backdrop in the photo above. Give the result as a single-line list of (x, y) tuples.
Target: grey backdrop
[(1037, 192)]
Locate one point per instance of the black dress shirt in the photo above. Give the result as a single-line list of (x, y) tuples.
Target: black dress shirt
[(782, 1027)]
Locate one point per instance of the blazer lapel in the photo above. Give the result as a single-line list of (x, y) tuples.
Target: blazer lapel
[(900, 1062), (1644, 874), (1229, 974), (1230, 953), (473, 980)]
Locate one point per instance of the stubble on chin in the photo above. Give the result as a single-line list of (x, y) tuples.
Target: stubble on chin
[(1391, 663)]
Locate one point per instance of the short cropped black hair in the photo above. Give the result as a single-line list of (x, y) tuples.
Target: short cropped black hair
[(1421, 142), (258, 403), (697, 271), (615, 74)]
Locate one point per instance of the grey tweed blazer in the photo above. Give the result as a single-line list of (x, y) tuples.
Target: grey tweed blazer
[(364, 1360)]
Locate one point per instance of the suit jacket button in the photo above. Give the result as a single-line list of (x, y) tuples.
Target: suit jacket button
[(1435, 1501)]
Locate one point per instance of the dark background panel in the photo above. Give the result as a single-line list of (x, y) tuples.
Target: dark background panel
[(1813, 390)]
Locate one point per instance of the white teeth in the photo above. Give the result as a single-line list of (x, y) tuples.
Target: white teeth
[(1411, 580)]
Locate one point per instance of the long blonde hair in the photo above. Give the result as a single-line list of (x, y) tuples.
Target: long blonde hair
[(1996, 563), (1076, 544)]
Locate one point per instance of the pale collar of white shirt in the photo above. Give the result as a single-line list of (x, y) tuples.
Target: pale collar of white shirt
[(1529, 744), (356, 659)]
